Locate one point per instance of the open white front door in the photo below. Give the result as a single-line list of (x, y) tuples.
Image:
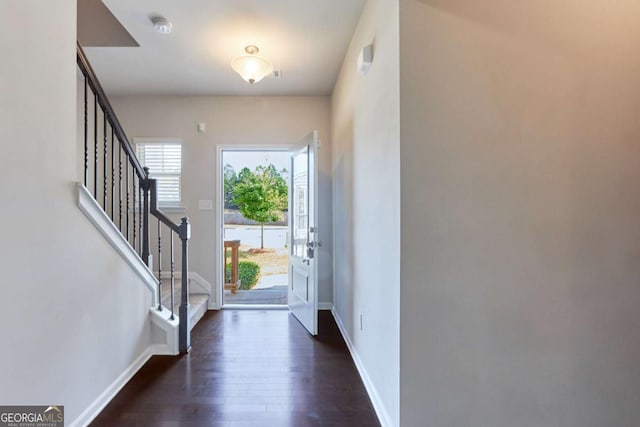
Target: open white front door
[(303, 233)]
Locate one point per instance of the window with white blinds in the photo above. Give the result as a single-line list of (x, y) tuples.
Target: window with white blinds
[(164, 160)]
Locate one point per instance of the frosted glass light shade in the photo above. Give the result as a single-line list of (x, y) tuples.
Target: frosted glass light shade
[(252, 68)]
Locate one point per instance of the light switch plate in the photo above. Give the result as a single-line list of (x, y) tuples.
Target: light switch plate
[(205, 205)]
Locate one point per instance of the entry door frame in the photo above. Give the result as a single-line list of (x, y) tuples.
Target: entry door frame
[(218, 205)]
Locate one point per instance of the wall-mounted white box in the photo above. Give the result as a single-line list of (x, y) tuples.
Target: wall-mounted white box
[(365, 59)]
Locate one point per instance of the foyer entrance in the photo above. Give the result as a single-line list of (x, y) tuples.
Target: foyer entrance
[(255, 227), (268, 222)]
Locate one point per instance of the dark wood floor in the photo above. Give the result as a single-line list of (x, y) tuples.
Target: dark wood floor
[(251, 369)]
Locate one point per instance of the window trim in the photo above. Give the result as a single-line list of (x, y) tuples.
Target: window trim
[(165, 206)]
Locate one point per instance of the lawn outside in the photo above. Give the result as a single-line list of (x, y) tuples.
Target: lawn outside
[(272, 261)]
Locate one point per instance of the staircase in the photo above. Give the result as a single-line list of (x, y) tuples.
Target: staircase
[(123, 199), (198, 302)]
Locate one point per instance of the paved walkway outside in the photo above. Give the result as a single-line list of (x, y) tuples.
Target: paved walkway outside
[(272, 280), (273, 295), (271, 288)]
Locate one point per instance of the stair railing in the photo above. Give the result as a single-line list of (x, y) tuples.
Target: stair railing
[(128, 196)]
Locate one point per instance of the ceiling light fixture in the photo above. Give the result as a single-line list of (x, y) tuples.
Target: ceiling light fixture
[(252, 68), (161, 25)]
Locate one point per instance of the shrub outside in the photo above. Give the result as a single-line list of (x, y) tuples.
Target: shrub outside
[(248, 274)]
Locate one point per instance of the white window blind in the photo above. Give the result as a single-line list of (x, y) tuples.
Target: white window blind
[(164, 160)]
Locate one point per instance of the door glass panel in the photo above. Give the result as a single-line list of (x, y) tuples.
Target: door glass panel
[(300, 212)]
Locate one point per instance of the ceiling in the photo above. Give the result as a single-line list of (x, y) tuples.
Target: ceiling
[(306, 39)]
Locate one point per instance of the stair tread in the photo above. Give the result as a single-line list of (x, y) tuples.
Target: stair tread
[(198, 302), (195, 300)]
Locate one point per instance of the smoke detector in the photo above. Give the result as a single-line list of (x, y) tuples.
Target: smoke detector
[(161, 25)]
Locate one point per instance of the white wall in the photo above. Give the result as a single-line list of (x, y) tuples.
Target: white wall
[(520, 150), (75, 315), (264, 121), (365, 135)]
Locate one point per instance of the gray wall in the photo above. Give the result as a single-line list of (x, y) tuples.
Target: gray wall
[(520, 150), (274, 121), (75, 315), (366, 159)]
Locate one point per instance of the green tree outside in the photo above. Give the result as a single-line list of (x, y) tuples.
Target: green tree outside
[(230, 181), (260, 195)]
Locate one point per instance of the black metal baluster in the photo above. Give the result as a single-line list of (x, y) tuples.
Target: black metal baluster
[(159, 266), (133, 192), (146, 242), (140, 196), (126, 169), (172, 275), (120, 186), (86, 135), (184, 328), (146, 197), (95, 146), (113, 177), (104, 161)]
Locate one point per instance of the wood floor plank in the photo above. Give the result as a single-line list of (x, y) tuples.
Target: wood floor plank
[(248, 368)]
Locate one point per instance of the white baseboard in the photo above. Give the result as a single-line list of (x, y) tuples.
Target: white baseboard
[(199, 283), (325, 306), (106, 396), (204, 284), (376, 401)]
